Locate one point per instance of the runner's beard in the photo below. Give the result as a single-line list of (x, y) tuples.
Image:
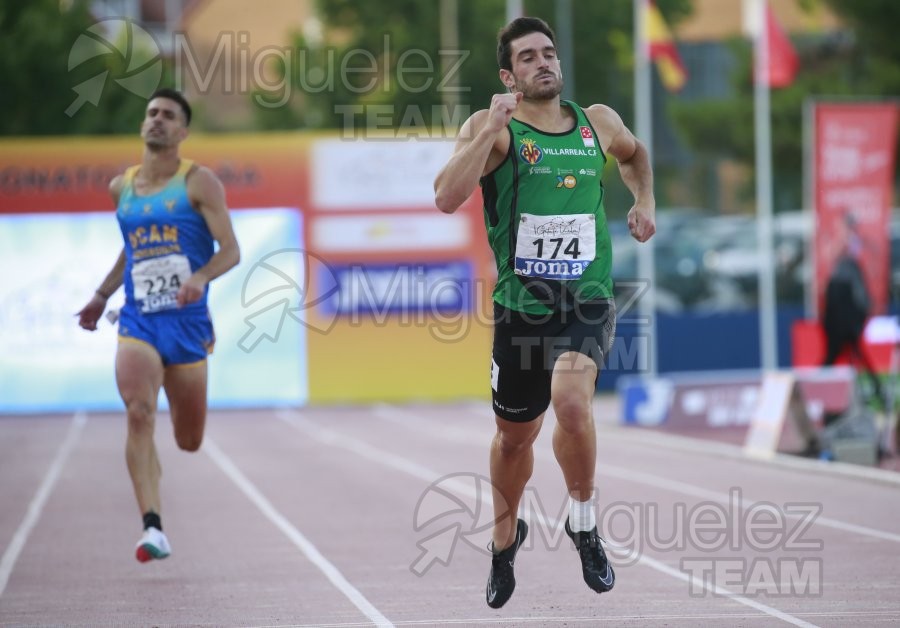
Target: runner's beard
[(537, 90), (156, 141)]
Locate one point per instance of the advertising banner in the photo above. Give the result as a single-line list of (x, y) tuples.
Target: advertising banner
[(853, 176), (374, 288), (49, 364)]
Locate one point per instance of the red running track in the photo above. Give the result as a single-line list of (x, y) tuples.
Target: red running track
[(380, 515)]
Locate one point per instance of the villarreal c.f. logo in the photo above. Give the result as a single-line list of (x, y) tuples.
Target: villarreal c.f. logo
[(530, 152)]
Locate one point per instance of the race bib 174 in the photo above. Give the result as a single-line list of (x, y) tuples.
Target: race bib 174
[(555, 247)]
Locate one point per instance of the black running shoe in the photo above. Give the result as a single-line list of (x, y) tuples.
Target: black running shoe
[(598, 573), (502, 581)]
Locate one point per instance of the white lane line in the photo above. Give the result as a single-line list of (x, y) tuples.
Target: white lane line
[(365, 450), (722, 591), (330, 437), (405, 418), (727, 619), (820, 468), (293, 534), (17, 544), (640, 477), (345, 441)]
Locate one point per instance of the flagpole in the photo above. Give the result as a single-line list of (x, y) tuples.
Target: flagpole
[(768, 331), (513, 10), (565, 44), (449, 38), (643, 115)]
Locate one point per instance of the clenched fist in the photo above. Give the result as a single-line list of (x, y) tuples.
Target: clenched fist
[(503, 106)]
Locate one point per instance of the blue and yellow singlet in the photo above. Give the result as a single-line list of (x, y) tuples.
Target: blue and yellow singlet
[(166, 240)]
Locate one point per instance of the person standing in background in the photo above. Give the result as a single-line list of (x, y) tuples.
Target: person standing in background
[(847, 308)]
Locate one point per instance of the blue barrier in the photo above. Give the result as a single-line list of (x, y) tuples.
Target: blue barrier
[(698, 341)]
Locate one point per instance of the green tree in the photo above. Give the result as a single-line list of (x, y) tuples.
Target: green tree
[(603, 48), (861, 61), (36, 85), (603, 34), (389, 29), (387, 66), (875, 54)]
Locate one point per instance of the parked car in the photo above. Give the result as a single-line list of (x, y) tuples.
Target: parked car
[(706, 262), (683, 238), (738, 257)]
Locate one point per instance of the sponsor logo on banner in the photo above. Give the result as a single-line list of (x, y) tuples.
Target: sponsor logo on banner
[(363, 175), (587, 136), (397, 232), (380, 289), (854, 153)]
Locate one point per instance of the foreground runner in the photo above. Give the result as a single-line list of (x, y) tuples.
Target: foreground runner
[(539, 162)]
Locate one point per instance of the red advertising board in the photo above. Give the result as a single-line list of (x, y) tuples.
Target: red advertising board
[(72, 174), (853, 175)]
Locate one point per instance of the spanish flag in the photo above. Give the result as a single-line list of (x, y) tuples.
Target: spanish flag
[(662, 49)]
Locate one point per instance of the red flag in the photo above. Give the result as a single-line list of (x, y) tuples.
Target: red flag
[(783, 62), (663, 51)]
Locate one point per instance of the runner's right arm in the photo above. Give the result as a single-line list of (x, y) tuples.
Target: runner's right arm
[(475, 152), (91, 313)]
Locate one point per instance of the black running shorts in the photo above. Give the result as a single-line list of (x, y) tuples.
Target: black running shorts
[(527, 346)]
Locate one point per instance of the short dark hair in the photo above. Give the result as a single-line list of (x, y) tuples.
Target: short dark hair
[(519, 27), (172, 94)]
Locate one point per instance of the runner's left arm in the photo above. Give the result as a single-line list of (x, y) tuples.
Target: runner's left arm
[(634, 168), (207, 195)]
